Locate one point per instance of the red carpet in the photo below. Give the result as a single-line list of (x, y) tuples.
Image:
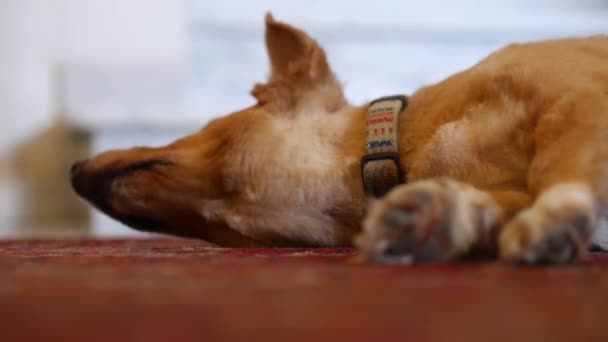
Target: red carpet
[(171, 290)]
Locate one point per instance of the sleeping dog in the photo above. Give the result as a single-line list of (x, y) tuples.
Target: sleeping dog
[(508, 159)]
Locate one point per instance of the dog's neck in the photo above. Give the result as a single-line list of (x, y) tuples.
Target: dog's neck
[(322, 152)]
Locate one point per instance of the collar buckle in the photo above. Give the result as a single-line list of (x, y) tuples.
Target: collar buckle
[(381, 172)]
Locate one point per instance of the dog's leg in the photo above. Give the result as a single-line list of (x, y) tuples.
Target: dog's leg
[(435, 220), (569, 174)]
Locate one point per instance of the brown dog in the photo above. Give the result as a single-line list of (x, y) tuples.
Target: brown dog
[(509, 157)]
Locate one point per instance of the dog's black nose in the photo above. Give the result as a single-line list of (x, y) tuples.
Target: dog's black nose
[(76, 175), (76, 167)]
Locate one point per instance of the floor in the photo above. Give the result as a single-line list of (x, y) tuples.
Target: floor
[(172, 289)]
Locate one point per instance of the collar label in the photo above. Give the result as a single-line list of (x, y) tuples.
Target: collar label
[(380, 167)]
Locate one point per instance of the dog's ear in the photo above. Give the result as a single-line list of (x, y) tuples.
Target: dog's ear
[(299, 68), (290, 48)]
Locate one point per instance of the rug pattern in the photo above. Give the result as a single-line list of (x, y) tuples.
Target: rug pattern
[(174, 289)]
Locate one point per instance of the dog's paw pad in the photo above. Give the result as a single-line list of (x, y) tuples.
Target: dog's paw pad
[(416, 234), (413, 223)]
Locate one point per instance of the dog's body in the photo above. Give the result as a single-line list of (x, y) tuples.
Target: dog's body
[(508, 157)]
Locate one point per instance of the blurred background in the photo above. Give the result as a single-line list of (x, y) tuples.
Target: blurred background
[(81, 76)]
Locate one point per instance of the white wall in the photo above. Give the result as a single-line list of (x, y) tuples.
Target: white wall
[(41, 38), (123, 32), (26, 48), (438, 15)]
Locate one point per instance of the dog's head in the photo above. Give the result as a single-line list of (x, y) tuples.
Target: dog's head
[(281, 172)]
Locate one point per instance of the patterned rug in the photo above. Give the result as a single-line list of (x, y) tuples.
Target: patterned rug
[(172, 289)]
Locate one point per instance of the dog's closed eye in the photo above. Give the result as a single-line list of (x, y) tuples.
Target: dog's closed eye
[(141, 166)]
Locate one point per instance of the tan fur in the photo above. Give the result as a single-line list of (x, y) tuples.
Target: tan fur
[(487, 142)]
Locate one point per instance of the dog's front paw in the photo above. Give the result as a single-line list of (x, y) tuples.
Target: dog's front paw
[(556, 229), (427, 221)]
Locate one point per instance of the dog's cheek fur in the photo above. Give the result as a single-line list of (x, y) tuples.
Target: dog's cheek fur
[(290, 179)]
